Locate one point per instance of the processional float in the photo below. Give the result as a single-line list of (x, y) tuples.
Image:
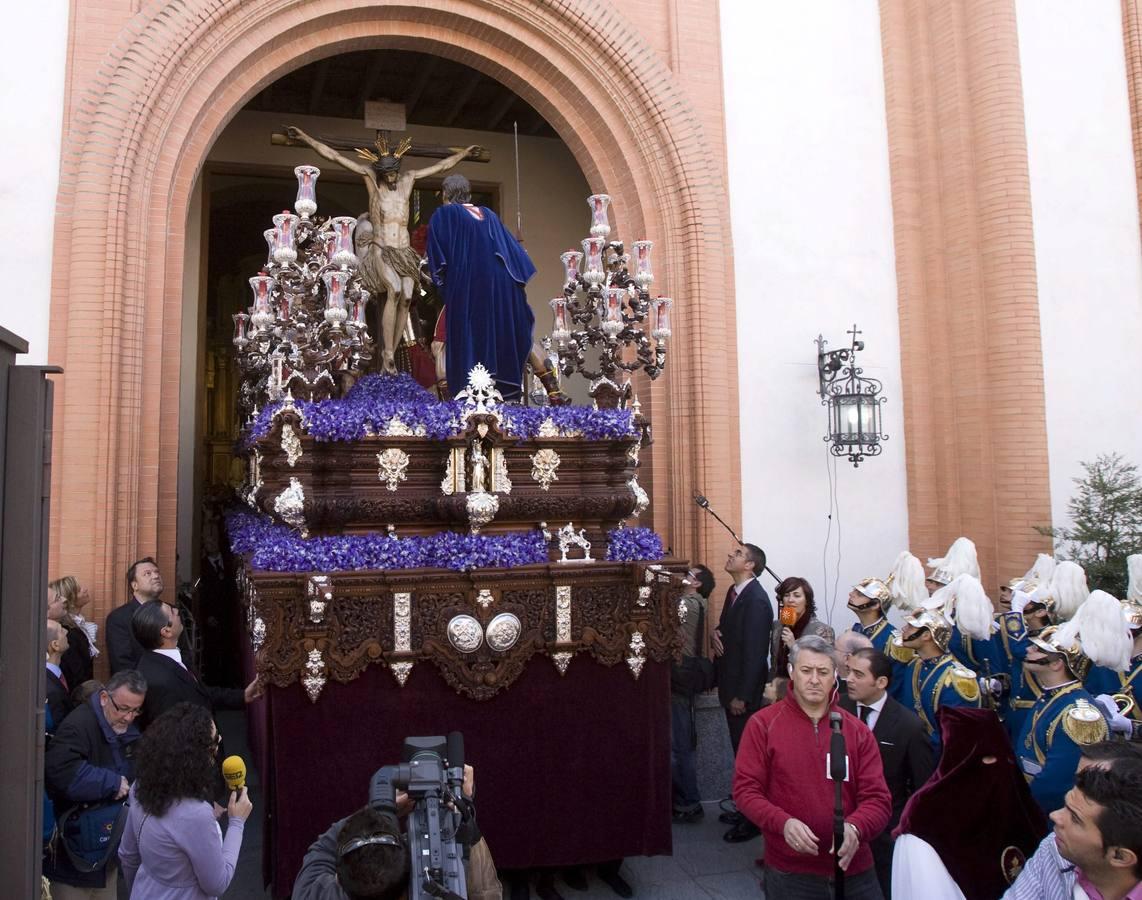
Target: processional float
[(411, 565)]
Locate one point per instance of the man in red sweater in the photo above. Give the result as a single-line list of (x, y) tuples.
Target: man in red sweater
[(781, 770)]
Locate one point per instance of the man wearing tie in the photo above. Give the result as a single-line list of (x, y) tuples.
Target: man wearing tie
[(904, 746), (741, 648)]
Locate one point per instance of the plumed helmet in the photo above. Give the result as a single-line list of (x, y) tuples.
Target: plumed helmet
[(906, 583), (874, 589), (1132, 606), (960, 559), (964, 603), (937, 624), (1039, 574), (1097, 634), (1064, 593)]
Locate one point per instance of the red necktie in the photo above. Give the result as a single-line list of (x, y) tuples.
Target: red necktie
[(63, 681), (732, 596)]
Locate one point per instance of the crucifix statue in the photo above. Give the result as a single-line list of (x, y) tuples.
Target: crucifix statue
[(389, 266)]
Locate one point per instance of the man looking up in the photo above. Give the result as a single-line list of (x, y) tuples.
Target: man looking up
[(741, 651), (144, 582), (933, 678), (904, 747), (780, 784), (59, 695), (157, 627)]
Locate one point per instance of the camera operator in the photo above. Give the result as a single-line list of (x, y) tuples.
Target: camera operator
[(365, 857)]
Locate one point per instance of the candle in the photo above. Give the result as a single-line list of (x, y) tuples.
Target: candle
[(240, 339), (661, 329), (643, 275), (571, 260), (343, 254), (271, 236), (262, 316), (593, 254), (286, 224), (306, 203), (335, 312), (559, 331), (600, 225)]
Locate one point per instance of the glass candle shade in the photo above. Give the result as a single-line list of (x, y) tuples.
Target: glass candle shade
[(328, 244), (357, 311), (285, 308), (600, 224), (661, 330), (271, 236), (560, 333), (335, 282), (343, 254), (240, 322), (306, 203), (263, 313), (286, 225), (611, 311), (643, 275), (571, 260), (277, 361), (593, 259)]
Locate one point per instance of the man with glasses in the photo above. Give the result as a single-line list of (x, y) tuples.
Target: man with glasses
[(91, 760), (157, 627)]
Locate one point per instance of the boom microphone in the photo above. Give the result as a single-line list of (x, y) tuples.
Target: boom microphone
[(701, 500), (234, 772)]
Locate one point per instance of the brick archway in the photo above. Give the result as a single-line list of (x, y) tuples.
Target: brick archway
[(176, 76)]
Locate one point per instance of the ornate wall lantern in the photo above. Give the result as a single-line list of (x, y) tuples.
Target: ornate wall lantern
[(854, 402)]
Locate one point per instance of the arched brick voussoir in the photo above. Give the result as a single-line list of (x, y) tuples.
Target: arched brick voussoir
[(180, 72)]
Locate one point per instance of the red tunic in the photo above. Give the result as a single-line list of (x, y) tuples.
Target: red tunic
[(781, 774)]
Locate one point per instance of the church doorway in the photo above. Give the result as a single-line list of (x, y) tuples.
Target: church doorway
[(526, 174)]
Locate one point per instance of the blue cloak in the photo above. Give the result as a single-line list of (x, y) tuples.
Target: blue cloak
[(481, 271)]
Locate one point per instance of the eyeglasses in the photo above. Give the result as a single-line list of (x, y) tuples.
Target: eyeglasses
[(217, 740), (124, 710)]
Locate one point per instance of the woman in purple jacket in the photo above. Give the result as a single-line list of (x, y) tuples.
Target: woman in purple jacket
[(172, 847)]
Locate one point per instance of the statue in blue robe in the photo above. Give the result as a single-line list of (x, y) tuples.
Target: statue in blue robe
[(481, 270)]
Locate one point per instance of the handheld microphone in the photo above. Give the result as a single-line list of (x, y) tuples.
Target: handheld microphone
[(234, 772)]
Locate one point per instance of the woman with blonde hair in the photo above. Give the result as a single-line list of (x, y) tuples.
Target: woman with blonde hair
[(66, 597)]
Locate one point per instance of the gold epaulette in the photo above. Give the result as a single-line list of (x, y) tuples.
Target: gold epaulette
[(1084, 724), (897, 652), (964, 681)]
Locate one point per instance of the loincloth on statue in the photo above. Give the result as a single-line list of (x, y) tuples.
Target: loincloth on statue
[(404, 261)]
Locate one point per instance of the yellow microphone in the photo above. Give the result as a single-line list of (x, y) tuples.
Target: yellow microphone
[(234, 772)]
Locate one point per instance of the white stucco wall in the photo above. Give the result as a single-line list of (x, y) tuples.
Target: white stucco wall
[(813, 246), (32, 70), (1084, 204)]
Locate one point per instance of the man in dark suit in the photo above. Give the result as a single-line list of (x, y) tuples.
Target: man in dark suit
[(904, 746), (59, 697), (157, 627), (741, 650), (144, 583)]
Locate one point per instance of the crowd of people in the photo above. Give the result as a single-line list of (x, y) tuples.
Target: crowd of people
[(132, 766), (967, 732)]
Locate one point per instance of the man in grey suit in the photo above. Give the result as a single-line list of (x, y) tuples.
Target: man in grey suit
[(741, 651), (904, 747)]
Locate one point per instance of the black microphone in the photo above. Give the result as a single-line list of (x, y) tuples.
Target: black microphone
[(838, 773), (701, 500)]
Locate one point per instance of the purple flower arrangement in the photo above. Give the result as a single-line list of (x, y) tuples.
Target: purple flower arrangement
[(273, 547), (376, 399), (633, 544)]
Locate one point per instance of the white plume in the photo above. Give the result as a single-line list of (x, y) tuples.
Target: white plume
[(1134, 573), (1102, 632), (960, 559), (973, 610), (1068, 588), (1041, 572), (907, 585)]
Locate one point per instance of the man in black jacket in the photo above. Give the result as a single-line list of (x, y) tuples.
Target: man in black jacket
[(144, 582), (741, 648), (59, 695), (91, 759), (904, 746), (157, 627)]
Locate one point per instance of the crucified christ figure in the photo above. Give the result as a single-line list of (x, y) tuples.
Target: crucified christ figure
[(389, 266)]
